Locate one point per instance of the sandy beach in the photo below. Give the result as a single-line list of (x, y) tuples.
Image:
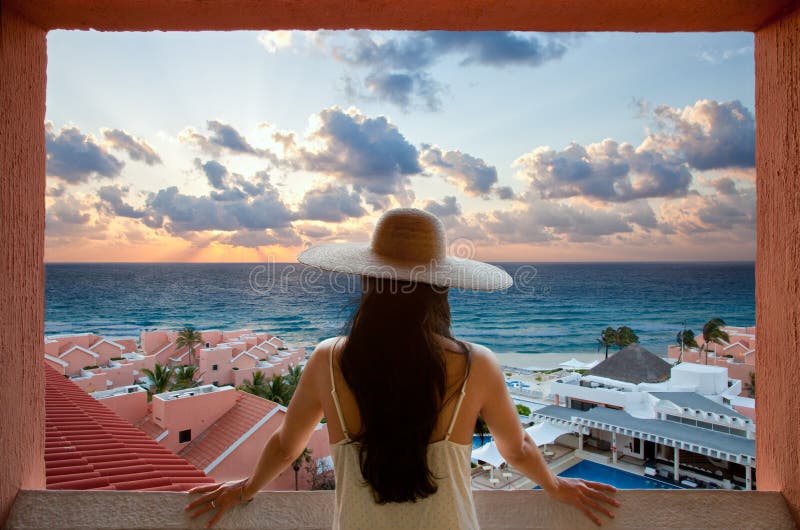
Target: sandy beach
[(545, 361)]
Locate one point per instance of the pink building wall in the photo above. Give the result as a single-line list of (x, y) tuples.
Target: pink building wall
[(132, 407), (219, 356), (239, 464), (196, 413)]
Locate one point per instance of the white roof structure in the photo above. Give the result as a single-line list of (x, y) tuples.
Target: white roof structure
[(489, 453), (573, 364), (543, 433)]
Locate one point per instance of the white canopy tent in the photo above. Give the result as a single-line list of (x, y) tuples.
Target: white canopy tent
[(542, 434), (573, 364), (488, 453)]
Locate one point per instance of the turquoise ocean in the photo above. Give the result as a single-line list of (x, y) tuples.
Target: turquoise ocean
[(553, 307)]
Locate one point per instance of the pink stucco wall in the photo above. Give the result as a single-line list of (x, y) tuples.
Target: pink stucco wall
[(221, 357), (197, 414), (132, 407), (22, 182), (22, 157), (778, 252)]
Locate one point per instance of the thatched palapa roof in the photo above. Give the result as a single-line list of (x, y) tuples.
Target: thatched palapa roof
[(633, 364)]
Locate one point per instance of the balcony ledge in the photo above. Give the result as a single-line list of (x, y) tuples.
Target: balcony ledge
[(651, 509)]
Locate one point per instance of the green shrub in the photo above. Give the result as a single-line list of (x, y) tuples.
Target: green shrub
[(90, 367)]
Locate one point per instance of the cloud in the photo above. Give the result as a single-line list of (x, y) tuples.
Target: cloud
[(447, 208), (250, 204), (406, 90), (396, 61), (112, 202), (505, 193), (542, 221), (262, 238), (331, 204), (222, 138), (274, 41), (716, 57), (368, 153), (214, 172), (471, 174), (413, 51), (607, 171), (137, 149), (707, 135), (725, 186), (730, 214), (75, 157)]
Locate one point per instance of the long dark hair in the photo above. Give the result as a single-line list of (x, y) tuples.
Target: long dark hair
[(395, 367)]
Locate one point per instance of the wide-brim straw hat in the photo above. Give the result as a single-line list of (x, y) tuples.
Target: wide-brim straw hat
[(408, 245)]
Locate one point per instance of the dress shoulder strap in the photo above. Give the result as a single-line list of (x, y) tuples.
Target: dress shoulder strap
[(335, 397), (458, 405)]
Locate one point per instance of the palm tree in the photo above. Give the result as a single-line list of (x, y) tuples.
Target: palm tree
[(685, 339), (625, 337), (481, 429), (184, 377), (713, 332), (608, 338), (257, 386), (188, 337), (293, 376), (160, 377), (304, 458), (278, 390)]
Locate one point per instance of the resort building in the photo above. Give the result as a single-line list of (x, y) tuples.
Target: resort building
[(226, 358), (680, 422), (738, 355), (97, 363), (220, 430), (88, 446)]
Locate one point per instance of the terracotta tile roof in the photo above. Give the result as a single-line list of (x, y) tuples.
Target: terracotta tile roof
[(215, 440), (87, 446), (150, 428)]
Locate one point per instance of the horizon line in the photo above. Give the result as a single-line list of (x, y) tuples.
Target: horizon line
[(576, 262)]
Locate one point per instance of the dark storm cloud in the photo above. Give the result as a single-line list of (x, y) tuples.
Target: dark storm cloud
[(137, 149), (75, 157)]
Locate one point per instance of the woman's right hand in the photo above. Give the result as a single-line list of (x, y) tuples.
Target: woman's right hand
[(588, 497)]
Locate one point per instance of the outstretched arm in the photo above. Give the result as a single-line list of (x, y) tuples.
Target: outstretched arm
[(520, 451), (283, 447)]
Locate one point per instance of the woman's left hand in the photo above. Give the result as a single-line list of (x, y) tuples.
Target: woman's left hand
[(219, 497)]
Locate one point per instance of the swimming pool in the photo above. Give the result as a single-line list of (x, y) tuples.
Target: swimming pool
[(623, 480), (476, 440)]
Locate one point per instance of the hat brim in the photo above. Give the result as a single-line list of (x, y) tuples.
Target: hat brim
[(359, 258)]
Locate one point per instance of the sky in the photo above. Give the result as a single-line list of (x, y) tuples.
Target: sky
[(251, 146)]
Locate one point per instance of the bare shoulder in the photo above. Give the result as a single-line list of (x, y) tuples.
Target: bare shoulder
[(484, 361), (323, 351)]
